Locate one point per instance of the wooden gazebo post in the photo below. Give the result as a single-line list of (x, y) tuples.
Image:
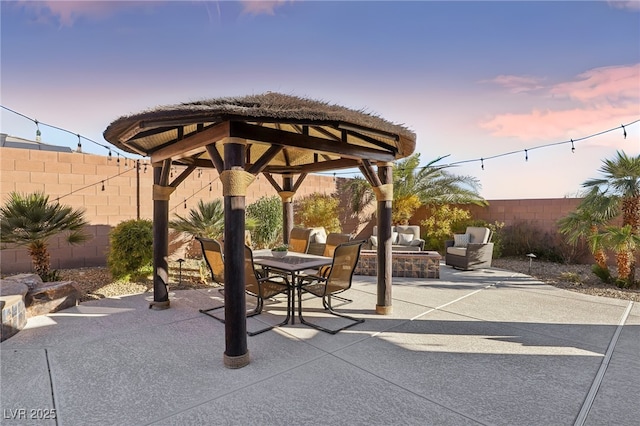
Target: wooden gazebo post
[(287, 206), (234, 184), (384, 196), (161, 194)]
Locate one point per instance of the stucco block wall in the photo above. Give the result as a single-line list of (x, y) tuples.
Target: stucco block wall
[(77, 178)]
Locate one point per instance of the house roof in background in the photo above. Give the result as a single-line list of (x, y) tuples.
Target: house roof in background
[(8, 141)]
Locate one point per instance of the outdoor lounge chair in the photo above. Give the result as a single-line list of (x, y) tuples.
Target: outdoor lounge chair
[(299, 240), (339, 279), (255, 285), (470, 250)]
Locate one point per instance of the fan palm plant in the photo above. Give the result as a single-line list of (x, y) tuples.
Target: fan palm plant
[(415, 185), (625, 243), (31, 220), (206, 220), (617, 192)]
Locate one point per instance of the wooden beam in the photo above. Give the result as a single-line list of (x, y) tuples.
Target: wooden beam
[(185, 174), (262, 162), (272, 181), (264, 134), (216, 159), (192, 142), (367, 170), (164, 173), (299, 181)]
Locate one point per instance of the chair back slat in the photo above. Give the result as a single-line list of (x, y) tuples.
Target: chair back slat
[(250, 277), (299, 240), (212, 252), (333, 241), (345, 259)]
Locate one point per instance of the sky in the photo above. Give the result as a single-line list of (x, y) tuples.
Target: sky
[(478, 82)]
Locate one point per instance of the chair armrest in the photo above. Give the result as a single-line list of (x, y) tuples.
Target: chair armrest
[(448, 243)]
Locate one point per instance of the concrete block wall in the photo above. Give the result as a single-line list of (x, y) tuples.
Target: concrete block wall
[(77, 180)]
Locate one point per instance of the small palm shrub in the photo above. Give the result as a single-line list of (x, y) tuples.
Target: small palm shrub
[(131, 247)]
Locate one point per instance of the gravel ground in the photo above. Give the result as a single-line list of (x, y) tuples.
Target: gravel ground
[(96, 283)]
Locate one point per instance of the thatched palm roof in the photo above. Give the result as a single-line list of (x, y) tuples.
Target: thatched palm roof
[(314, 135)]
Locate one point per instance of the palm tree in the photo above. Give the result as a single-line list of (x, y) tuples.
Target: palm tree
[(31, 220), (206, 220), (585, 222), (415, 185), (618, 191), (625, 243)]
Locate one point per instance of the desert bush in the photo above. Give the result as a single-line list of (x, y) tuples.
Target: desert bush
[(443, 221), (130, 248), (523, 238), (318, 210), (265, 215)]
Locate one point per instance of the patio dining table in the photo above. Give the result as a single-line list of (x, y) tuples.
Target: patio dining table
[(292, 264)]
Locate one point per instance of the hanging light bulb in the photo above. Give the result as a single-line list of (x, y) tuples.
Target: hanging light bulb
[(79, 143), (482, 163), (210, 187), (145, 168), (38, 133), (573, 148), (118, 159), (624, 131), (526, 155), (185, 203), (103, 185), (110, 155)]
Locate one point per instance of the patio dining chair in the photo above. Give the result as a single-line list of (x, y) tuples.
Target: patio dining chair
[(255, 285), (299, 240), (338, 280)]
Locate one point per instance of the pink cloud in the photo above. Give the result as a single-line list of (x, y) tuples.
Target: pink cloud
[(517, 83), (625, 4), (67, 12), (603, 97), (264, 7), (602, 84)]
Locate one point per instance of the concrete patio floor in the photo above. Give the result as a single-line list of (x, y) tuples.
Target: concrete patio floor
[(480, 347)]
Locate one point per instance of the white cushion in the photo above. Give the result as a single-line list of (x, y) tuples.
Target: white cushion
[(460, 240), (394, 238), (415, 243), (405, 239), (478, 234), (458, 251), (374, 241)]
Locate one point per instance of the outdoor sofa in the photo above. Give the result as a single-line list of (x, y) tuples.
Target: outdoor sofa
[(403, 238)]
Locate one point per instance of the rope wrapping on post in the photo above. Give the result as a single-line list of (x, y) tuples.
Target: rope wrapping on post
[(287, 196), (384, 192), (235, 182), (162, 193)]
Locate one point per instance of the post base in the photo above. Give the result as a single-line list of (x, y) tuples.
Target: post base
[(159, 306), (384, 310), (236, 361)]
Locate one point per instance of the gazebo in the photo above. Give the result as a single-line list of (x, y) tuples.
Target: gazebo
[(273, 134)]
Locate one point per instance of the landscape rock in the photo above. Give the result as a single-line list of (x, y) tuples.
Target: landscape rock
[(51, 297)]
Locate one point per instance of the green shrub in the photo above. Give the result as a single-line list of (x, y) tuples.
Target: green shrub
[(443, 221), (131, 247), (265, 215), (318, 210), (523, 238)]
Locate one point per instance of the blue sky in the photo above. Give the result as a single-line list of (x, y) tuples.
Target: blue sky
[(472, 79)]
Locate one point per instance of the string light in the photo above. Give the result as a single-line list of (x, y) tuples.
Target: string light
[(185, 203), (624, 131), (199, 172), (526, 155), (573, 148), (145, 168), (110, 156), (79, 143), (38, 133), (118, 159), (482, 163), (103, 185), (210, 187)]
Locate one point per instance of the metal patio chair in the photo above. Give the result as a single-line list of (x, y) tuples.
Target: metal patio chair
[(338, 280), (255, 285)]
